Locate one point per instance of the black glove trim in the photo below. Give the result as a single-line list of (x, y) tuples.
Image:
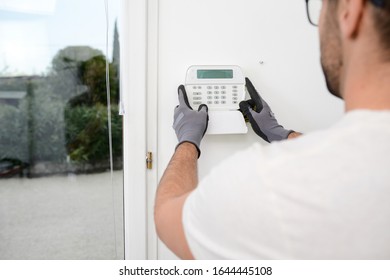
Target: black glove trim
[(186, 141), (207, 111)]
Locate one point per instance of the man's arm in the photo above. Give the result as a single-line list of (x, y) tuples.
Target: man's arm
[(179, 179), (181, 175)]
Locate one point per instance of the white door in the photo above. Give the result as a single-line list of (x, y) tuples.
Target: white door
[(271, 40)]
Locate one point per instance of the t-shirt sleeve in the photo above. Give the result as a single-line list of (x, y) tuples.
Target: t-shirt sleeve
[(232, 215)]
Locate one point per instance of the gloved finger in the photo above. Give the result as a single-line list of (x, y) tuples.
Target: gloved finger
[(248, 112), (246, 109), (254, 95), (183, 99), (252, 104), (203, 108)]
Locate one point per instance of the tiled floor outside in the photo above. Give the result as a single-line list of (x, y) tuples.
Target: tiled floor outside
[(63, 217)]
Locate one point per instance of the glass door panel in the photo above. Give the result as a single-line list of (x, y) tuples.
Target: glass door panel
[(58, 196)]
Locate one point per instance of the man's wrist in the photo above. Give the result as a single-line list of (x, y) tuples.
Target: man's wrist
[(189, 148), (293, 135)]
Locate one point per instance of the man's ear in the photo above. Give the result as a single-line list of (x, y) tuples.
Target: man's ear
[(350, 16)]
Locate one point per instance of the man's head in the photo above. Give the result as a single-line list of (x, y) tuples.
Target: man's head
[(346, 25)]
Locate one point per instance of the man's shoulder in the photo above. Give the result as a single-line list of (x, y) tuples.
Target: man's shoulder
[(356, 140)]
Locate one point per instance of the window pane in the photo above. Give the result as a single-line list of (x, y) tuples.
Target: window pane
[(57, 199)]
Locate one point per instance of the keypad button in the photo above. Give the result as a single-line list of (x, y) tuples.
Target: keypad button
[(209, 97), (194, 87), (234, 87), (223, 92), (209, 87), (235, 102), (235, 98), (216, 87), (223, 97), (209, 92), (216, 97), (216, 102), (235, 94), (199, 87), (234, 90), (209, 102), (216, 92), (223, 102), (196, 93), (223, 87), (197, 103)]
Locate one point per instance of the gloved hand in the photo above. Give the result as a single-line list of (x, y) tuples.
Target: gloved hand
[(261, 117), (189, 125)]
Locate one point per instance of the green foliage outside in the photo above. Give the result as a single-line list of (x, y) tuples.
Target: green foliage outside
[(87, 133)]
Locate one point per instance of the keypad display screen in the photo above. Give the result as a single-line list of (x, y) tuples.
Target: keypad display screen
[(215, 74)]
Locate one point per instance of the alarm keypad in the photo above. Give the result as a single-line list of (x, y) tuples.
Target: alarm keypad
[(216, 97)]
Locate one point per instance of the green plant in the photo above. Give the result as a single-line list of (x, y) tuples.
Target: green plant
[(87, 133)]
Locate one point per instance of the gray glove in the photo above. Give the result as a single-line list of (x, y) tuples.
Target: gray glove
[(189, 125), (259, 114)]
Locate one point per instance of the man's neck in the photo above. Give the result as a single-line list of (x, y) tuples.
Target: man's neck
[(367, 86)]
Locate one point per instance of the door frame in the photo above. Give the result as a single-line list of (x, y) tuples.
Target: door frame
[(139, 100)]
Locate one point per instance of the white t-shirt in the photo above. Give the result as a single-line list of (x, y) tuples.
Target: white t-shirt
[(324, 195)]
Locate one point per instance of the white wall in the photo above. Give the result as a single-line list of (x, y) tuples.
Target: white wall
[(242, 32)]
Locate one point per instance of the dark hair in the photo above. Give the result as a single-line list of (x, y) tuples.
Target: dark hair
[(382, 21)]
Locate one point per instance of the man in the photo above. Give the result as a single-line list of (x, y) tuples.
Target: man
[(322, 195)]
